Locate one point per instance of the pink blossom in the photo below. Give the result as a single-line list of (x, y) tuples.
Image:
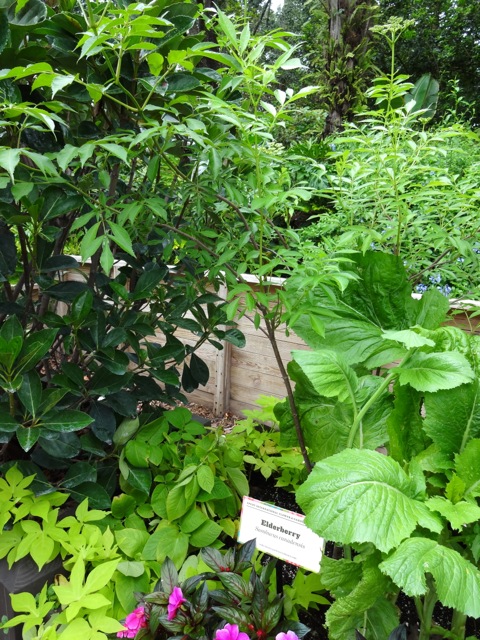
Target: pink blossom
[(230, 632), (134, 622), (175, 601), (290, 635)]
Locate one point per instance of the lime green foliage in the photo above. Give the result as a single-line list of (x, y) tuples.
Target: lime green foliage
[(259, 438), (411, 515), (34, 527), (304, 593)]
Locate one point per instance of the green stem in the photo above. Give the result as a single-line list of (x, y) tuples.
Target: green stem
[(373, 398), (11, 402), (459, 620), (429, 602)]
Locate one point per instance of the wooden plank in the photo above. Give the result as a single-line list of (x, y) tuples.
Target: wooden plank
[(245, 382), (252, 362), (223, 367)]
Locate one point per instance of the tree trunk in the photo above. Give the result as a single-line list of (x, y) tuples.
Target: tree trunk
[(347, 57)]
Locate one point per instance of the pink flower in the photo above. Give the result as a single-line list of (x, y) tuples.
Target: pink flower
[(230, 632), (134, 622), (290, 635), (175, 601)]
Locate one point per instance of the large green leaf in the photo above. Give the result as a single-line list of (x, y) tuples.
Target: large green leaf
[(167, 541), (181, 82), (98, 498), (9, 350), (404, 425), (363, 496), (453, 417), (467, 466), (350, 612), (457, 581), (28, 436), (326, 424), (432, 372), (329, 374), (356, 340)]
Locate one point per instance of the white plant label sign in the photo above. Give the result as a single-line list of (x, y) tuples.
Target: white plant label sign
[(280, 533)]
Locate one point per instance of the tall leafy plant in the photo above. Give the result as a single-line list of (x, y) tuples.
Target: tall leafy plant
[(407, 520), (95, 120), (400, 185)]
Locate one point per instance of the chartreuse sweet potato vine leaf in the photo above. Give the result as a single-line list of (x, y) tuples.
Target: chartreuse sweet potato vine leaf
[(457, 581), (363, 496)]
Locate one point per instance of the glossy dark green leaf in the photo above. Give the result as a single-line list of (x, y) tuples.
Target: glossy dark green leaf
[(104, 423), (65, 445), (34, 348), (123, 403), (235, 337), (98, 498), (28, 436), (81, 307), (4, 30), (189, 383), (9, 350), (11, 328), (8, 424), (8, 252), (179, 82), (33, 12), (115, 361), (147, 282), (198, 369), (67, 291), (50, 399), (79, 473), (104, 382), (66, 420), (30, 393)]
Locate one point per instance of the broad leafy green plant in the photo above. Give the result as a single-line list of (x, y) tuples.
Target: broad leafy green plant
[(408, 520), (95, 120), (182, 487)]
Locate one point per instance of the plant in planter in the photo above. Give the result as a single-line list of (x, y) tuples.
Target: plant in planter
[(408, 520), (230, 601)]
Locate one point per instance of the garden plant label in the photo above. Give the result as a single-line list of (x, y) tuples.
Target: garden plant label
[(280, 533)]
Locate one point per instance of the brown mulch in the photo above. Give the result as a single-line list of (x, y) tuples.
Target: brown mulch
[(227, 420)]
